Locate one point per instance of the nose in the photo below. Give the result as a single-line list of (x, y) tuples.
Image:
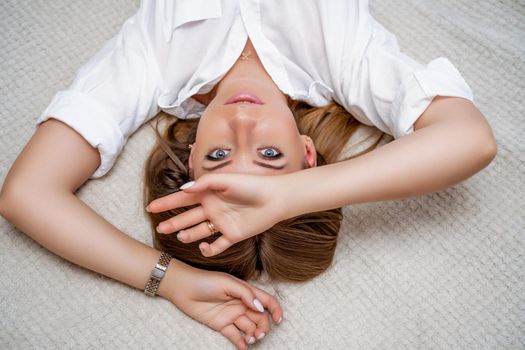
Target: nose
[(242, 124)]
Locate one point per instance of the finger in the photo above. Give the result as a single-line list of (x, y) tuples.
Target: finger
[(176, 223), (215, 182), (218, 246), (261, 321), (195, 233), (248, 327), (234, 335), (173, 200), (245, 293), (269, 302)]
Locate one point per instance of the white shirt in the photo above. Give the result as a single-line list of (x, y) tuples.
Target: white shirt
[(314, 50)]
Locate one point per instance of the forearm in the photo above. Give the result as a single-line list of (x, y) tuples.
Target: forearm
[(65, 225), (429, 159)]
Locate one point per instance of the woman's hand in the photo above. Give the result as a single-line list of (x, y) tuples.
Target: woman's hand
[(238, 205), (225, 304)]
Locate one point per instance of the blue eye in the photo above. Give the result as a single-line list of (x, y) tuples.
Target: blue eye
[(271, 152), (218, 154)]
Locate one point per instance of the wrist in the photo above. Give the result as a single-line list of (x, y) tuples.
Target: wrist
[(169, 283), (288, 194), (302, 192)]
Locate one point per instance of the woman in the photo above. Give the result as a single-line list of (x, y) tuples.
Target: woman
[(251, 120), (170, 51)]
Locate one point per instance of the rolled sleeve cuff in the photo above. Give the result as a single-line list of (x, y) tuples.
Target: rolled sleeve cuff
[(92, 120), (439, 78)]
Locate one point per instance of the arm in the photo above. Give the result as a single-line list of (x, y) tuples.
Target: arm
[(41, 184), (451, 141), (381, 86)]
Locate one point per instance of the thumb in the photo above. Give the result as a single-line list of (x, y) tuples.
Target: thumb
[(240, 291), (214, 182)]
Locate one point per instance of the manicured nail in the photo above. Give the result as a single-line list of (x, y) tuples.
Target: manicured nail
[(260, 336), (148, 209), (179, 236), (158, 229), (279, 320), (258, 305), (187, 185), (251, 341)]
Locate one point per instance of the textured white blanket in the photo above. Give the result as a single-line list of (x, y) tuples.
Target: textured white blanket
[(440, 271)]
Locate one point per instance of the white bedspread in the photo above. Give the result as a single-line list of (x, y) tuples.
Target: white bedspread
[(441, 271)]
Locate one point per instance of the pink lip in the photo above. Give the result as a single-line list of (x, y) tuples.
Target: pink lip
[(244, 96)]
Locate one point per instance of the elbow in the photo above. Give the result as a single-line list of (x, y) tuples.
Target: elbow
[(13, 197), (491, 152), (3, 203), (7, 198), (477, 146), (488, 148), (3, 200)]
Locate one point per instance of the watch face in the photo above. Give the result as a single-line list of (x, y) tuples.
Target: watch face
[(158, 273)]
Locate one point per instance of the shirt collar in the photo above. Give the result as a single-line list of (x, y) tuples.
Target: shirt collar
[(177, 13)]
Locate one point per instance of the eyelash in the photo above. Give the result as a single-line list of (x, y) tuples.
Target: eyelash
[(223, 148), (277, 149), (207, 156)]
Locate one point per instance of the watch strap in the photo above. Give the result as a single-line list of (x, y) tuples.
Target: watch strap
[(157, 273)]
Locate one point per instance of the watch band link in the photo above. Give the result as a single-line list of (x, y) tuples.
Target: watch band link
[(157, 273)]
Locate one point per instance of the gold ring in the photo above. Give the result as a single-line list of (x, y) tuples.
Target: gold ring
[(211, 227)]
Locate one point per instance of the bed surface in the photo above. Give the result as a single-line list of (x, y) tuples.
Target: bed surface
[(445, 270)]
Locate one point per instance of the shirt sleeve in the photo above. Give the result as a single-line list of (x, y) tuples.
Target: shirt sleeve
[(114, 92), (382, 86)]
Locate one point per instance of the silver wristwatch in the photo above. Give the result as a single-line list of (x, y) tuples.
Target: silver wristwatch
[(157, 273)]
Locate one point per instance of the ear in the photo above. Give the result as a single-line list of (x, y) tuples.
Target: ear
[(310, 156), (190, 160)]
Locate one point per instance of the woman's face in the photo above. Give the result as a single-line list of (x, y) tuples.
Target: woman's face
[(257, 138)]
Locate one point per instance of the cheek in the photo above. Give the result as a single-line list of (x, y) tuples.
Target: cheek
[(202, 129), (207, 131)]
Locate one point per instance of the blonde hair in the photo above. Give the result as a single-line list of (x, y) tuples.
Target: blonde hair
[(296, 249)]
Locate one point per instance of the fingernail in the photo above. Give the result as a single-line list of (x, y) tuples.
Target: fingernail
[(251, 341), (158, 229), (260, 336), (279, 320), (179, 236), (148, 209), (258, 305), (187, 185)]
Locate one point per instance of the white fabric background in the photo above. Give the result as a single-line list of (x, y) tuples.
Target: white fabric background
[(445, 270)]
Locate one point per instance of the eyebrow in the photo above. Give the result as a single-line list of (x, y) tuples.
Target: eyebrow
[(255, 162)]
